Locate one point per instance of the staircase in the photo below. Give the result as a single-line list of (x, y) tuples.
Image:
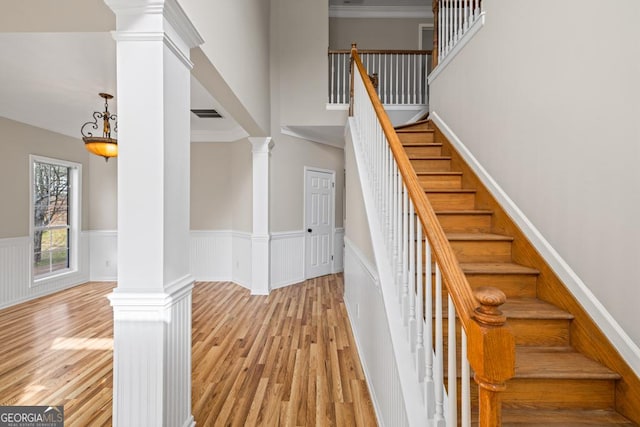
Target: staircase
[(566, 371)]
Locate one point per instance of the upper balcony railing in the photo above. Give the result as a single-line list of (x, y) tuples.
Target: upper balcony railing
[(453, 19), (399, 76)]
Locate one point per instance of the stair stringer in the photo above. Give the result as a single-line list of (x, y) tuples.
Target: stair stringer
[(594, 332), (412, 389)]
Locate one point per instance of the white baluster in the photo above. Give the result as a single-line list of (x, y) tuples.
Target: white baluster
[(412, 277), (395, 222), (341, 80), (465, 376), (332, 69), (452, 391), (438, 360), (439, 29), (405, 256), (455, 20), (404, 79), (395, 92), (447, 35), (400, 238), (419, 304), (428, 333)]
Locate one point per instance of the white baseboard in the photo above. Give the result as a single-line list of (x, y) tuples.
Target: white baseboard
[(629, 351)]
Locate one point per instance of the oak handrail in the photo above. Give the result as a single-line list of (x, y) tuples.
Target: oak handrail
[(491, 346), (464, 300), (383, 51)]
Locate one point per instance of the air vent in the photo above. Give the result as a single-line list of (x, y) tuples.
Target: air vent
[(207, 114)]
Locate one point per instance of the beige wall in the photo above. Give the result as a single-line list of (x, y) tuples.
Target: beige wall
[(299, 97), (103, 193), (242, 185), (299, 65), (288, 159), (553, 117), (356, 224), (210, 186), (236, 41), (17, 142), (221, 193), (375, 33)]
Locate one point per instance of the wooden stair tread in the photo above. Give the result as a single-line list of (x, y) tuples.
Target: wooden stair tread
[(439, 173), (496, 268), (540, 363), (422, 144), (532, 308), (430, 158), (450, 190), (414, 130), (562, 417), (465, 212), (410, 125), (457, 237)]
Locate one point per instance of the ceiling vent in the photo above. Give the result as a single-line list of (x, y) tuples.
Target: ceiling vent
[(207, 114)]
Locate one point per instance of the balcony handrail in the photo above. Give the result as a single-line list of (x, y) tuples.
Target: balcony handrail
[(491, 349)]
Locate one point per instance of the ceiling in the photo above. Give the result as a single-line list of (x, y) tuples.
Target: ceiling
[(52, 81)]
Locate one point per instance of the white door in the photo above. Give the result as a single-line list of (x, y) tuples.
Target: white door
[(319, 213)]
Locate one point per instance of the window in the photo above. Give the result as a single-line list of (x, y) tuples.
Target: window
[(54, 216)]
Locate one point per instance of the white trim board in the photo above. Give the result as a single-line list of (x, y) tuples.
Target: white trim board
[(629, 351)]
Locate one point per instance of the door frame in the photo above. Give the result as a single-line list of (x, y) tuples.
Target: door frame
[(332, 215)]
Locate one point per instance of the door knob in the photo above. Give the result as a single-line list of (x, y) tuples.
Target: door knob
[(309, 230)]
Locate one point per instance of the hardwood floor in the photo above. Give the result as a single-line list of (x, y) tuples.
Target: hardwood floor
[(285, 359)]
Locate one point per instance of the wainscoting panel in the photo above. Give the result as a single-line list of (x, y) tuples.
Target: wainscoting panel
[(15, 272), (287, 258), (363, 299), (241, 259), (210, 255), (103, 254)]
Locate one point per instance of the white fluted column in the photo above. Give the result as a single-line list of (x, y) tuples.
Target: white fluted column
[(260, 238), (152, 303)]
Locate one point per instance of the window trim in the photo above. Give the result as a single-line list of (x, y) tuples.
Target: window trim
[(75, 215)]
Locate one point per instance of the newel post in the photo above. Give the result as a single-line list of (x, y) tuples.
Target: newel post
[(491, 354), (436, 25), (354, 50)]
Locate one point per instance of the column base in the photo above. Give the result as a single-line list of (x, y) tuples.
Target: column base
[(152, 356), (260, 265)]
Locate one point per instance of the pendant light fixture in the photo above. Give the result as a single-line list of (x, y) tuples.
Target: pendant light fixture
[(104, 145)]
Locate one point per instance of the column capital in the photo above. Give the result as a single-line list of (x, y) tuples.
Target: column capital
[(261, 144), (180, 35)]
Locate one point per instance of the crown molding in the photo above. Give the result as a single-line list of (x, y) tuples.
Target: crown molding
[(339, 11)]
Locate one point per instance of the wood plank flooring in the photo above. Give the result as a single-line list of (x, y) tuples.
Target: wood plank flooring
[(287, 359)]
